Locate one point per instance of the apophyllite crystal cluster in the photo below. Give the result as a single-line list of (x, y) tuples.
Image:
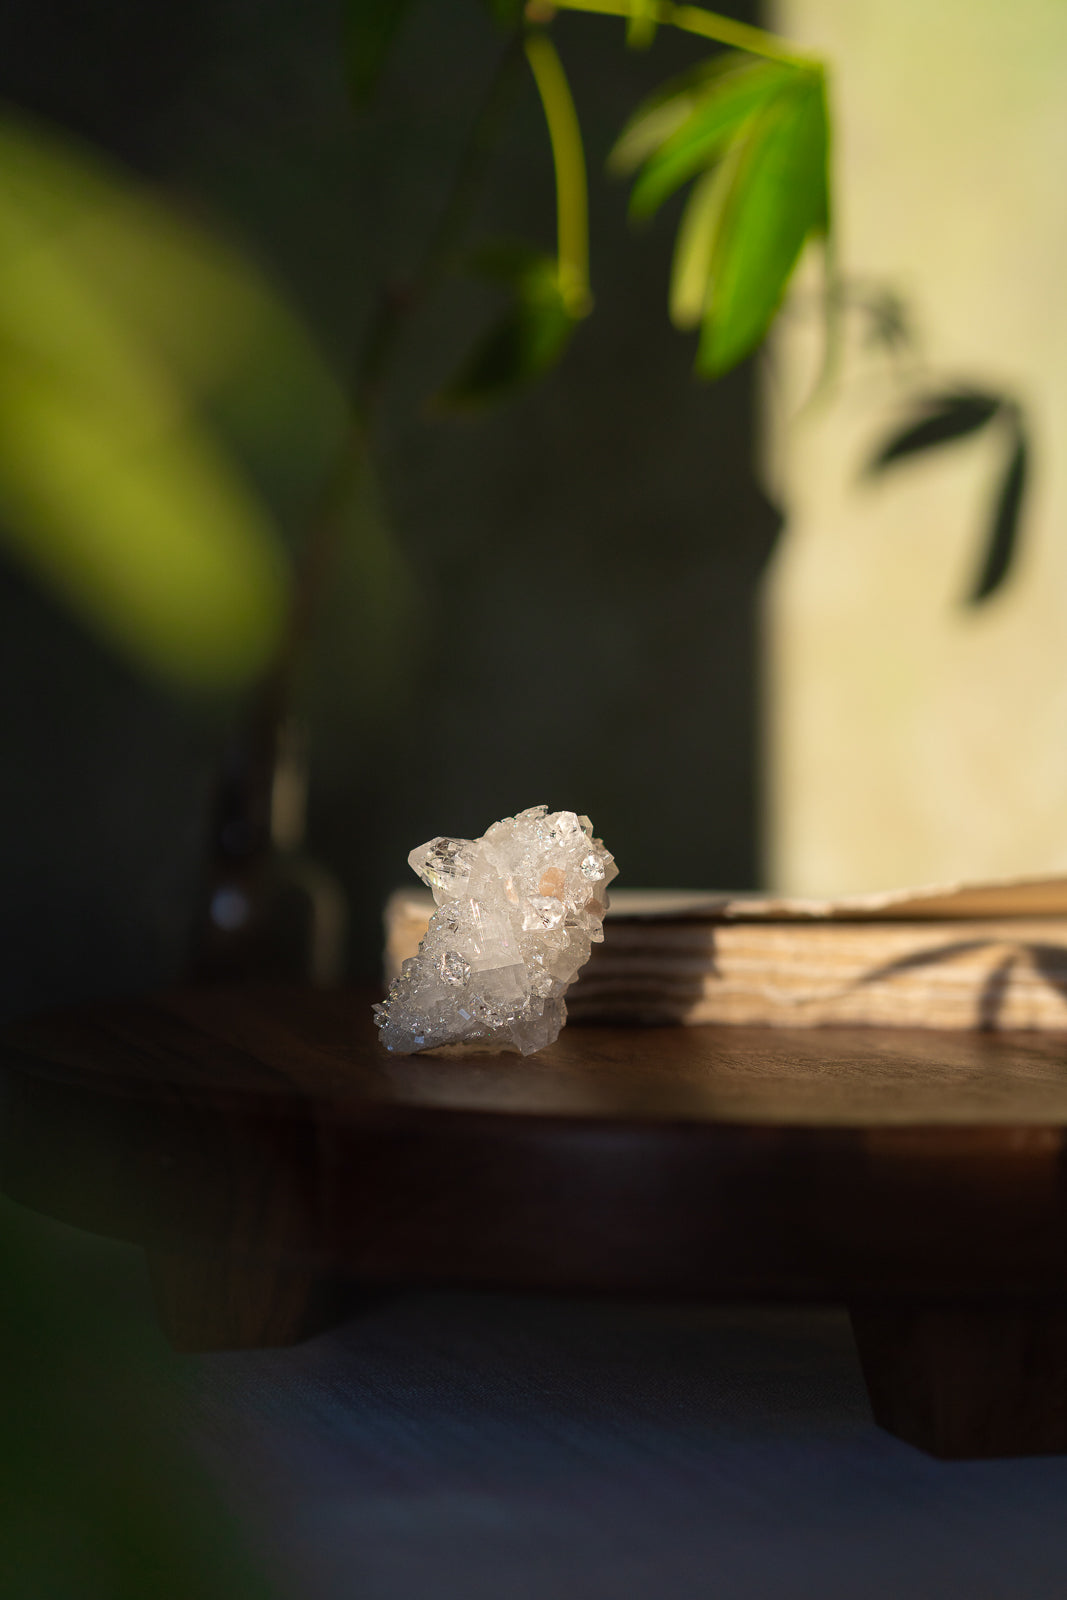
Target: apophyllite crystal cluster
[(518, 912)]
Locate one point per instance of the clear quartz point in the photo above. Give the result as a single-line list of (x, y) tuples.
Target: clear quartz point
[(519, 910)]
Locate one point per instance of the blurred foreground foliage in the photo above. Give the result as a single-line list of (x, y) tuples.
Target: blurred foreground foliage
[(143, 364), (165, 419), (99, 1498)]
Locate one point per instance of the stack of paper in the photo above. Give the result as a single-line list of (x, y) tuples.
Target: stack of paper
[(958, 956)]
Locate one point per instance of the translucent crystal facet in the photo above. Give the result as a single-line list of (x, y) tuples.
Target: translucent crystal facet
[(542, 911), (454, 969), (518, 912)]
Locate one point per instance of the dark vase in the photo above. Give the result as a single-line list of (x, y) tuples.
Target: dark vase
[(269, 912)]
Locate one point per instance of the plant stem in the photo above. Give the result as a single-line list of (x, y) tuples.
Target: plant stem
[(694, 19), (568, 157)]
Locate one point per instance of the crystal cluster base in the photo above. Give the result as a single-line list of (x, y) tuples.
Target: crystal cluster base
[(518, 912)]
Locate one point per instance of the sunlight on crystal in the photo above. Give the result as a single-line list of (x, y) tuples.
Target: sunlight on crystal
[(519, 910)]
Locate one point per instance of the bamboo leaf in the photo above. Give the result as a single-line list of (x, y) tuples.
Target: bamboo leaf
[(119, 330), (196, 302), (778, 197), (1003, 535), (720, 116), (651, 127), (137, 522), (191, 307), (695, 244), (664, 112), (942, 418)]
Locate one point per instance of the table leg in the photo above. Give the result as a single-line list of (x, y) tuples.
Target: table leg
[(967, 1381), (218, 1302)]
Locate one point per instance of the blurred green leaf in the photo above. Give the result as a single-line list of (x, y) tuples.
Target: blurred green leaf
[(188, 302), (1002, 541), (778, 196), (370, 26), (664, 112), (121, 329), (525, 343), (199, 303), (729, 102), (139, 525), (99, 1498), (942, 418), (654, 123), (695, 244)]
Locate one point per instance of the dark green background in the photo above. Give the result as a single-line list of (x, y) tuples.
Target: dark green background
[(577, 623)]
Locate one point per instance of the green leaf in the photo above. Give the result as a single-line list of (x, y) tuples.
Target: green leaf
[(1004, 527), (942, 418), (650, 128), (523, 345), (188, 303), (121, 329), (695, 244), (370, 27), (664, 112), (198, 303), (778, 197), (136, 521), (100, 1493), (721, 116)]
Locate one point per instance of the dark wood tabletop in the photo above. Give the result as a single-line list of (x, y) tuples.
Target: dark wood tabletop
[(295, 1042), (261, 1137), (728, 1160)]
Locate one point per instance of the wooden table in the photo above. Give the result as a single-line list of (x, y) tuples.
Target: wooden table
[(269, 1156)]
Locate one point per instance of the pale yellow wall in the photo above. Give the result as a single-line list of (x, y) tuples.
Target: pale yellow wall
[(911, 740)]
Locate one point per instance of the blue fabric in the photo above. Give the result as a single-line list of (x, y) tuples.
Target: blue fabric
[(479, 1447)]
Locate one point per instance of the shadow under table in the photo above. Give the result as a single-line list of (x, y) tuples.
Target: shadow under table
[(275, 1163)]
